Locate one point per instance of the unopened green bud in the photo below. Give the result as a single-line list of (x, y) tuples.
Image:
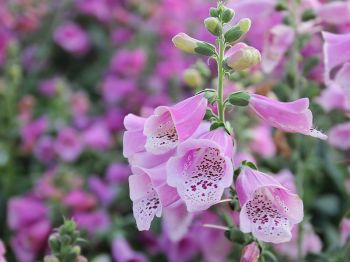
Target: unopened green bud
[(54, 242), (193, 78), (213, 25), (214, 12), (236, 32), (308, 15), (281, 6), (242, 58), (239, 99), (227, 15), (192, 45)]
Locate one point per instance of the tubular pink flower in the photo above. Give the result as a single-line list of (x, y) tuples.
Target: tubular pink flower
[(170, 125), (202, 169), (293, 117), (150, 193), (339, 136), (269, 210), (133, 140), (250, 253)]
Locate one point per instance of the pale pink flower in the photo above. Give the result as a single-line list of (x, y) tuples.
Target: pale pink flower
[(2, 252), (269, 210), (150, 193), (293, 117), (336, 12), (202, 169), (170, 125)]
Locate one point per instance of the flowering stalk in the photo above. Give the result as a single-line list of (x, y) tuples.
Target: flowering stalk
[(221, 74)]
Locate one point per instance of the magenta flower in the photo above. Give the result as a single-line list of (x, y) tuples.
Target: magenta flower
[(202, 169), (262, 142), (72, 38), (97, 137), (92, 221), (293, 117), (269, 210), (170, 125), (129, 63), (150, 193), (68, 144), (79, 200)]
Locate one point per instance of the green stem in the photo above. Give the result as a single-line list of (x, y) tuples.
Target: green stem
[(221, 73)]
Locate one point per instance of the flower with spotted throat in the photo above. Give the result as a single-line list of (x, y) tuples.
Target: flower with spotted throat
[(170, 125), (202, 169), (268, 209)]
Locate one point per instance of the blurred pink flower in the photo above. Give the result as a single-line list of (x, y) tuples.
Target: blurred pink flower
[(344, 230), (294, 117), (28, 242), (2, 252), (105, 192), (114, 119), (202, 168), (268, 209), (97, 137), (122, 252), (44, 149), (72, 38), (339, 136), (311, 243), (262, 142), (49, 87), (68, 144), (96, 8), (114, 89), (335, 13), (80, 103), (32, 131), (24, 211), (278, 41), (79, 200), (93, 221), (128, 63), (250, 253), (118, 173)]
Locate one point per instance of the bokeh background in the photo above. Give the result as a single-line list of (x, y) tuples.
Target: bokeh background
[(70, 72)]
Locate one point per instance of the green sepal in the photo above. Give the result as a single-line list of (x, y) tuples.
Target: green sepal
[(308, 15), (204, 48), (233, 34), (235, 235), (239, 99), (249, 164)]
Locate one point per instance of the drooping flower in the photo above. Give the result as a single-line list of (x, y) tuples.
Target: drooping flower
[(293, 117), (149, 193), (202, 169), (170, 125), (241, 56), (269, 210)]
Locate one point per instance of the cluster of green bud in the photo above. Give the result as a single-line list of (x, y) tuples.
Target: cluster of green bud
[(65, 244)]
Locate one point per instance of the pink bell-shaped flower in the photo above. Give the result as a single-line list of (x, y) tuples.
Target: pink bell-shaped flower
[(202, 169), (269, 210), (168, 126), (150, 193), (293, 117)]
